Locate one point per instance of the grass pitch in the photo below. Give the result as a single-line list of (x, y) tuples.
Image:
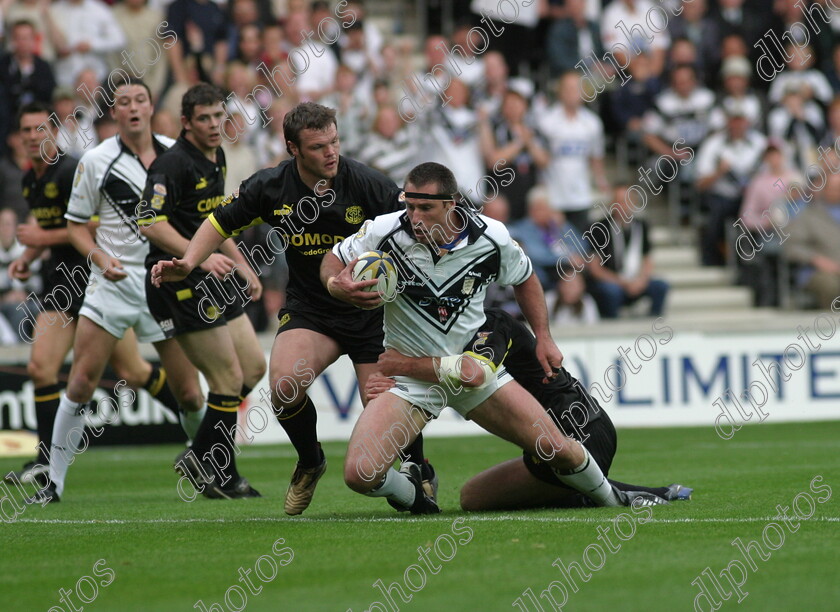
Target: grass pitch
[(158, 553)]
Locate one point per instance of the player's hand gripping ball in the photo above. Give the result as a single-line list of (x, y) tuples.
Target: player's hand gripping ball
[(380, 266)]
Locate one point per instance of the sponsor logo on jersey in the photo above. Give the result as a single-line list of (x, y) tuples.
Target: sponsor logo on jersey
[(46, 212), (201, 184), (283, 210), (167, 325), (354, 215), (212, 313), (283, 320), (26, 192), (80, 170), (209, 204), (51, 190), (308, 239), (467, 288)]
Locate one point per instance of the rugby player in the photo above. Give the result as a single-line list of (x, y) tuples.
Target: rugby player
[(313, 201), (46, 188), (109, 182), (527, 482), (204, 312), (446, 256)]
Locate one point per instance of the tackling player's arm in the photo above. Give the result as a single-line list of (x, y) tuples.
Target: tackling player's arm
[(167, 238), (205, 242), (531, 300), (466, 370)]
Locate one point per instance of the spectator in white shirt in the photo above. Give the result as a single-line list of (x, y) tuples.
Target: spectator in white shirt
[(313, 65), (575, 138), (726, 162), (90, 32), (625, 22)]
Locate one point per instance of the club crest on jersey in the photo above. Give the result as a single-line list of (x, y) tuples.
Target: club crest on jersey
[(201, 184), (468, 287), (354, 215), (158, 196), (51, 190)]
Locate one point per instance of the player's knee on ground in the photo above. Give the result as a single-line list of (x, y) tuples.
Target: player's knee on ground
[(471, 498)]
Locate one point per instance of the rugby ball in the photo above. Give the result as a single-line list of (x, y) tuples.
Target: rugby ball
[(380, 266)]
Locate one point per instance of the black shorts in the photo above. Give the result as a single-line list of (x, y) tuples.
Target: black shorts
[(194, 304), (56, 299), (60, 293), (362, 339), (601, 444)]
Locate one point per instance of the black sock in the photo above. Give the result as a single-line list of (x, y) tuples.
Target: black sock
[(414, 451), (300, 423), (159, 389), (244, 391), (623, 486), (46, 405), (221, 413)]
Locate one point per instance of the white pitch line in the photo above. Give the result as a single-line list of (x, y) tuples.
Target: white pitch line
[(477, 519)]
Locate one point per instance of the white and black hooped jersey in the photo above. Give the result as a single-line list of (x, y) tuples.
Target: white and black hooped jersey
[(440, 300), (109, 183)]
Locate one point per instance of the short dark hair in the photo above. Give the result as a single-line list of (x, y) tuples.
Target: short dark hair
[(203, 94), (306, 116), (432, 172), (121, 81), (23, 22), (33, 108)]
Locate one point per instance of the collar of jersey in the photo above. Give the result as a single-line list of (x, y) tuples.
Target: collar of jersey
[(194, 152)]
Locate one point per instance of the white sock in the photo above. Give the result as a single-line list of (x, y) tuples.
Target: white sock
[(590, 480), (67, 434), (396, 487), (190, 421)]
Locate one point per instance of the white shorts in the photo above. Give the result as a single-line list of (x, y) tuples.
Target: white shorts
[(434, 397), (117, 306)]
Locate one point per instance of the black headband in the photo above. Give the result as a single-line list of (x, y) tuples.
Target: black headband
[(427, 196)]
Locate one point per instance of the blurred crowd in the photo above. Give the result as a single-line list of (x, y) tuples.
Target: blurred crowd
[(739, 94)]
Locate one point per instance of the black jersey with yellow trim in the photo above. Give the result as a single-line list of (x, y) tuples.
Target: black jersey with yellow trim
[(47, 197), (308, 225), (501, 339), (183, 188)]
